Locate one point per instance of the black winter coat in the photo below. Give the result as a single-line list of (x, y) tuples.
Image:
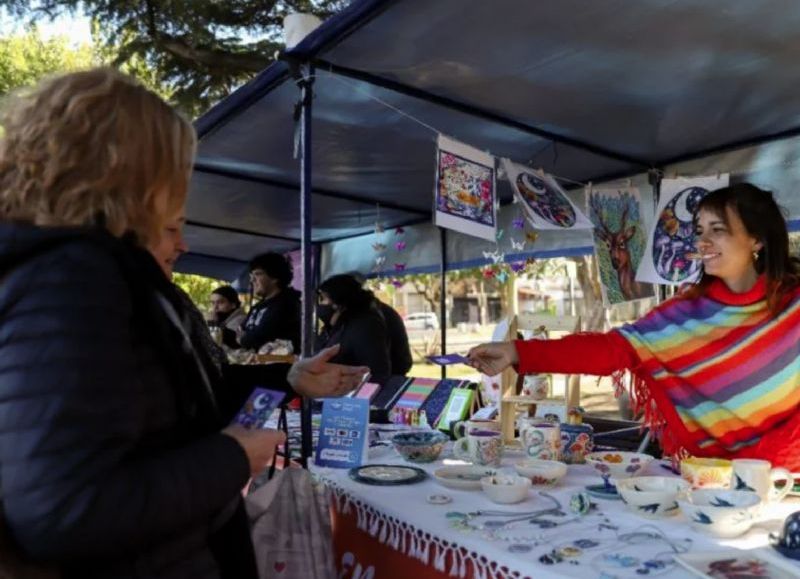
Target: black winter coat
[(363, 340), (111, 463)]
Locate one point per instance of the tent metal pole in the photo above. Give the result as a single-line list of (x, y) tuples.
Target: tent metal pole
[(443, 296), (306, 84), (654, 176)]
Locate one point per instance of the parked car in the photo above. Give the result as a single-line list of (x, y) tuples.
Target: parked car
[(422, 321)]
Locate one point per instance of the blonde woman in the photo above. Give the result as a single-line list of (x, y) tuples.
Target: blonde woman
[(112, 459)]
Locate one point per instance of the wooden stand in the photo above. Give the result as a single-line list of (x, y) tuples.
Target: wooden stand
[(511, 383)]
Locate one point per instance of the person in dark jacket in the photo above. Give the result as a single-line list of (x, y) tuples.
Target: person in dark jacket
[(114, 461), (228, 314), (277, 315), (399, 348), (351, 318)]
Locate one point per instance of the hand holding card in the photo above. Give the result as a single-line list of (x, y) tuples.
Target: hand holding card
[(448, 359), (259, 407)]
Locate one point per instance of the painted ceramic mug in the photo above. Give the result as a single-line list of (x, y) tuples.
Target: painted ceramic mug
[(535, 386), (759, 476), (483, 447), (577, 440), (541, 440), (464, 427), (707, 473)]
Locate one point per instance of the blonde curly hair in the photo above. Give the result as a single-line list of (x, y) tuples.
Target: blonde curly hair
[(94, 147)]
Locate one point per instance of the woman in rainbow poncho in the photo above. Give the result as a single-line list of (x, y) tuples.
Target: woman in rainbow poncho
[(716, 368)]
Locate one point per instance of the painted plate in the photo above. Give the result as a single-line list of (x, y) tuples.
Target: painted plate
[(603, 492), (463, 477), (387, 474)]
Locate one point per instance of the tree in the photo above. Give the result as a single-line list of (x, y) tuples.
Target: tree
[(26, 58), (199, 49), (198, 287)]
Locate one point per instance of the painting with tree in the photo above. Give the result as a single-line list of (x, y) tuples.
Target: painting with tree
[(619, 242)]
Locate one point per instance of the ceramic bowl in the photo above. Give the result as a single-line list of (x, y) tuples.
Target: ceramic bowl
[(719, 512), (707, 473), (419, 446), (506, 490), (541, 472), (652, 497), (617, 464)]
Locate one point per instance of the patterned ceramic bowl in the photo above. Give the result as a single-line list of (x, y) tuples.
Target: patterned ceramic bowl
[(541, 472), (617, 464), (652, 497), (419, 446), (719, 512)]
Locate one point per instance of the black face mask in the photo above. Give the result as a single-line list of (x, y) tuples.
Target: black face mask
[(325, 313), (220, 317)]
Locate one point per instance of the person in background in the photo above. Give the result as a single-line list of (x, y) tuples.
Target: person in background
[(399, 348), (277, 314), (351, 319), (717, 368), (228, 313)]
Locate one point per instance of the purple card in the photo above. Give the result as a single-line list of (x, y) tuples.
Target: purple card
[(448, 359), (259, 407)]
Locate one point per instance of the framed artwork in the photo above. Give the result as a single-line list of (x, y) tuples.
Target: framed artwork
[(667, 259), (544, 202), (465, 194), (457, 407), (619, 242)]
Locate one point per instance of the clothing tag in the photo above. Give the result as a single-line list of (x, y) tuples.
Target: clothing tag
[(259, 407), (448, 359)]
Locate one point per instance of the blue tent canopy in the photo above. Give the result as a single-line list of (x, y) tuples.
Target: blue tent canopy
[(585, 90)]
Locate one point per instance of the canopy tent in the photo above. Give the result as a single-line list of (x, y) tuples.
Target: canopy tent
[(587, 91)]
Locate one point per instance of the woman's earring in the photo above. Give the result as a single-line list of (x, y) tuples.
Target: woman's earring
[(755, 255)]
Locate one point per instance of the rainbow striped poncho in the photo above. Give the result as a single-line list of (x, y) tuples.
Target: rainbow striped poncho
[(719, 375)]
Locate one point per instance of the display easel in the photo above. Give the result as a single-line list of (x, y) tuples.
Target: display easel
[(511, 382)]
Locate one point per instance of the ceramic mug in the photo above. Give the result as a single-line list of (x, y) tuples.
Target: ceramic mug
[(483, 447), (535, 386), (463, 427), (707, 473), (577, 440), (759, 476), (541, 440)]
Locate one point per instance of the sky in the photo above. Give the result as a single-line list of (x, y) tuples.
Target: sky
[(76, 28)]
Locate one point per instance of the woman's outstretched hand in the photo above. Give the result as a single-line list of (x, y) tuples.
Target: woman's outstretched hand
[(317, 377), (493, 358)]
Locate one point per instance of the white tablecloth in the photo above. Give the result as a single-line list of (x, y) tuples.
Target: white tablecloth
[(610, 535)]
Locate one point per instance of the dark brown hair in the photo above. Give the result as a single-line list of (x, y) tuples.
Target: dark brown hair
[(764, 220)]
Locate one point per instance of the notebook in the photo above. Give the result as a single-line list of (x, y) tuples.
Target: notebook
[(436, 402), (390, 392)]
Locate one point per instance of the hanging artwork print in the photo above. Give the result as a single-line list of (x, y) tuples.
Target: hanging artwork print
[(465, 189), (619, 242), (667, 259), (544, 202)]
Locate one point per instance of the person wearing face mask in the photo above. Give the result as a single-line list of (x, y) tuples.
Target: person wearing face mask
[(716, 368), (351, 319), (228, 314), (277, 314)]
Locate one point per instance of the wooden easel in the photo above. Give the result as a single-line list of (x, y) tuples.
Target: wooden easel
[(510, 382)]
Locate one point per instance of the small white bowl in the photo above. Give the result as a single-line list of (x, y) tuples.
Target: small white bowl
[(652, 497), (541, 472), (506, 490), (719, 512)]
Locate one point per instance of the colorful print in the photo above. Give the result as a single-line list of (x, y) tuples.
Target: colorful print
[(619, 242), (466, 189), (545, 201), (673, 236)]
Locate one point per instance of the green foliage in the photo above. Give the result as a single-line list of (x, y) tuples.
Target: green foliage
[(196, 50), (198, 287), (26, 58)]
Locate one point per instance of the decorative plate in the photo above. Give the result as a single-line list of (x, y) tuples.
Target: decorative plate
[(463, 477), (602, 491), (387, 474)]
